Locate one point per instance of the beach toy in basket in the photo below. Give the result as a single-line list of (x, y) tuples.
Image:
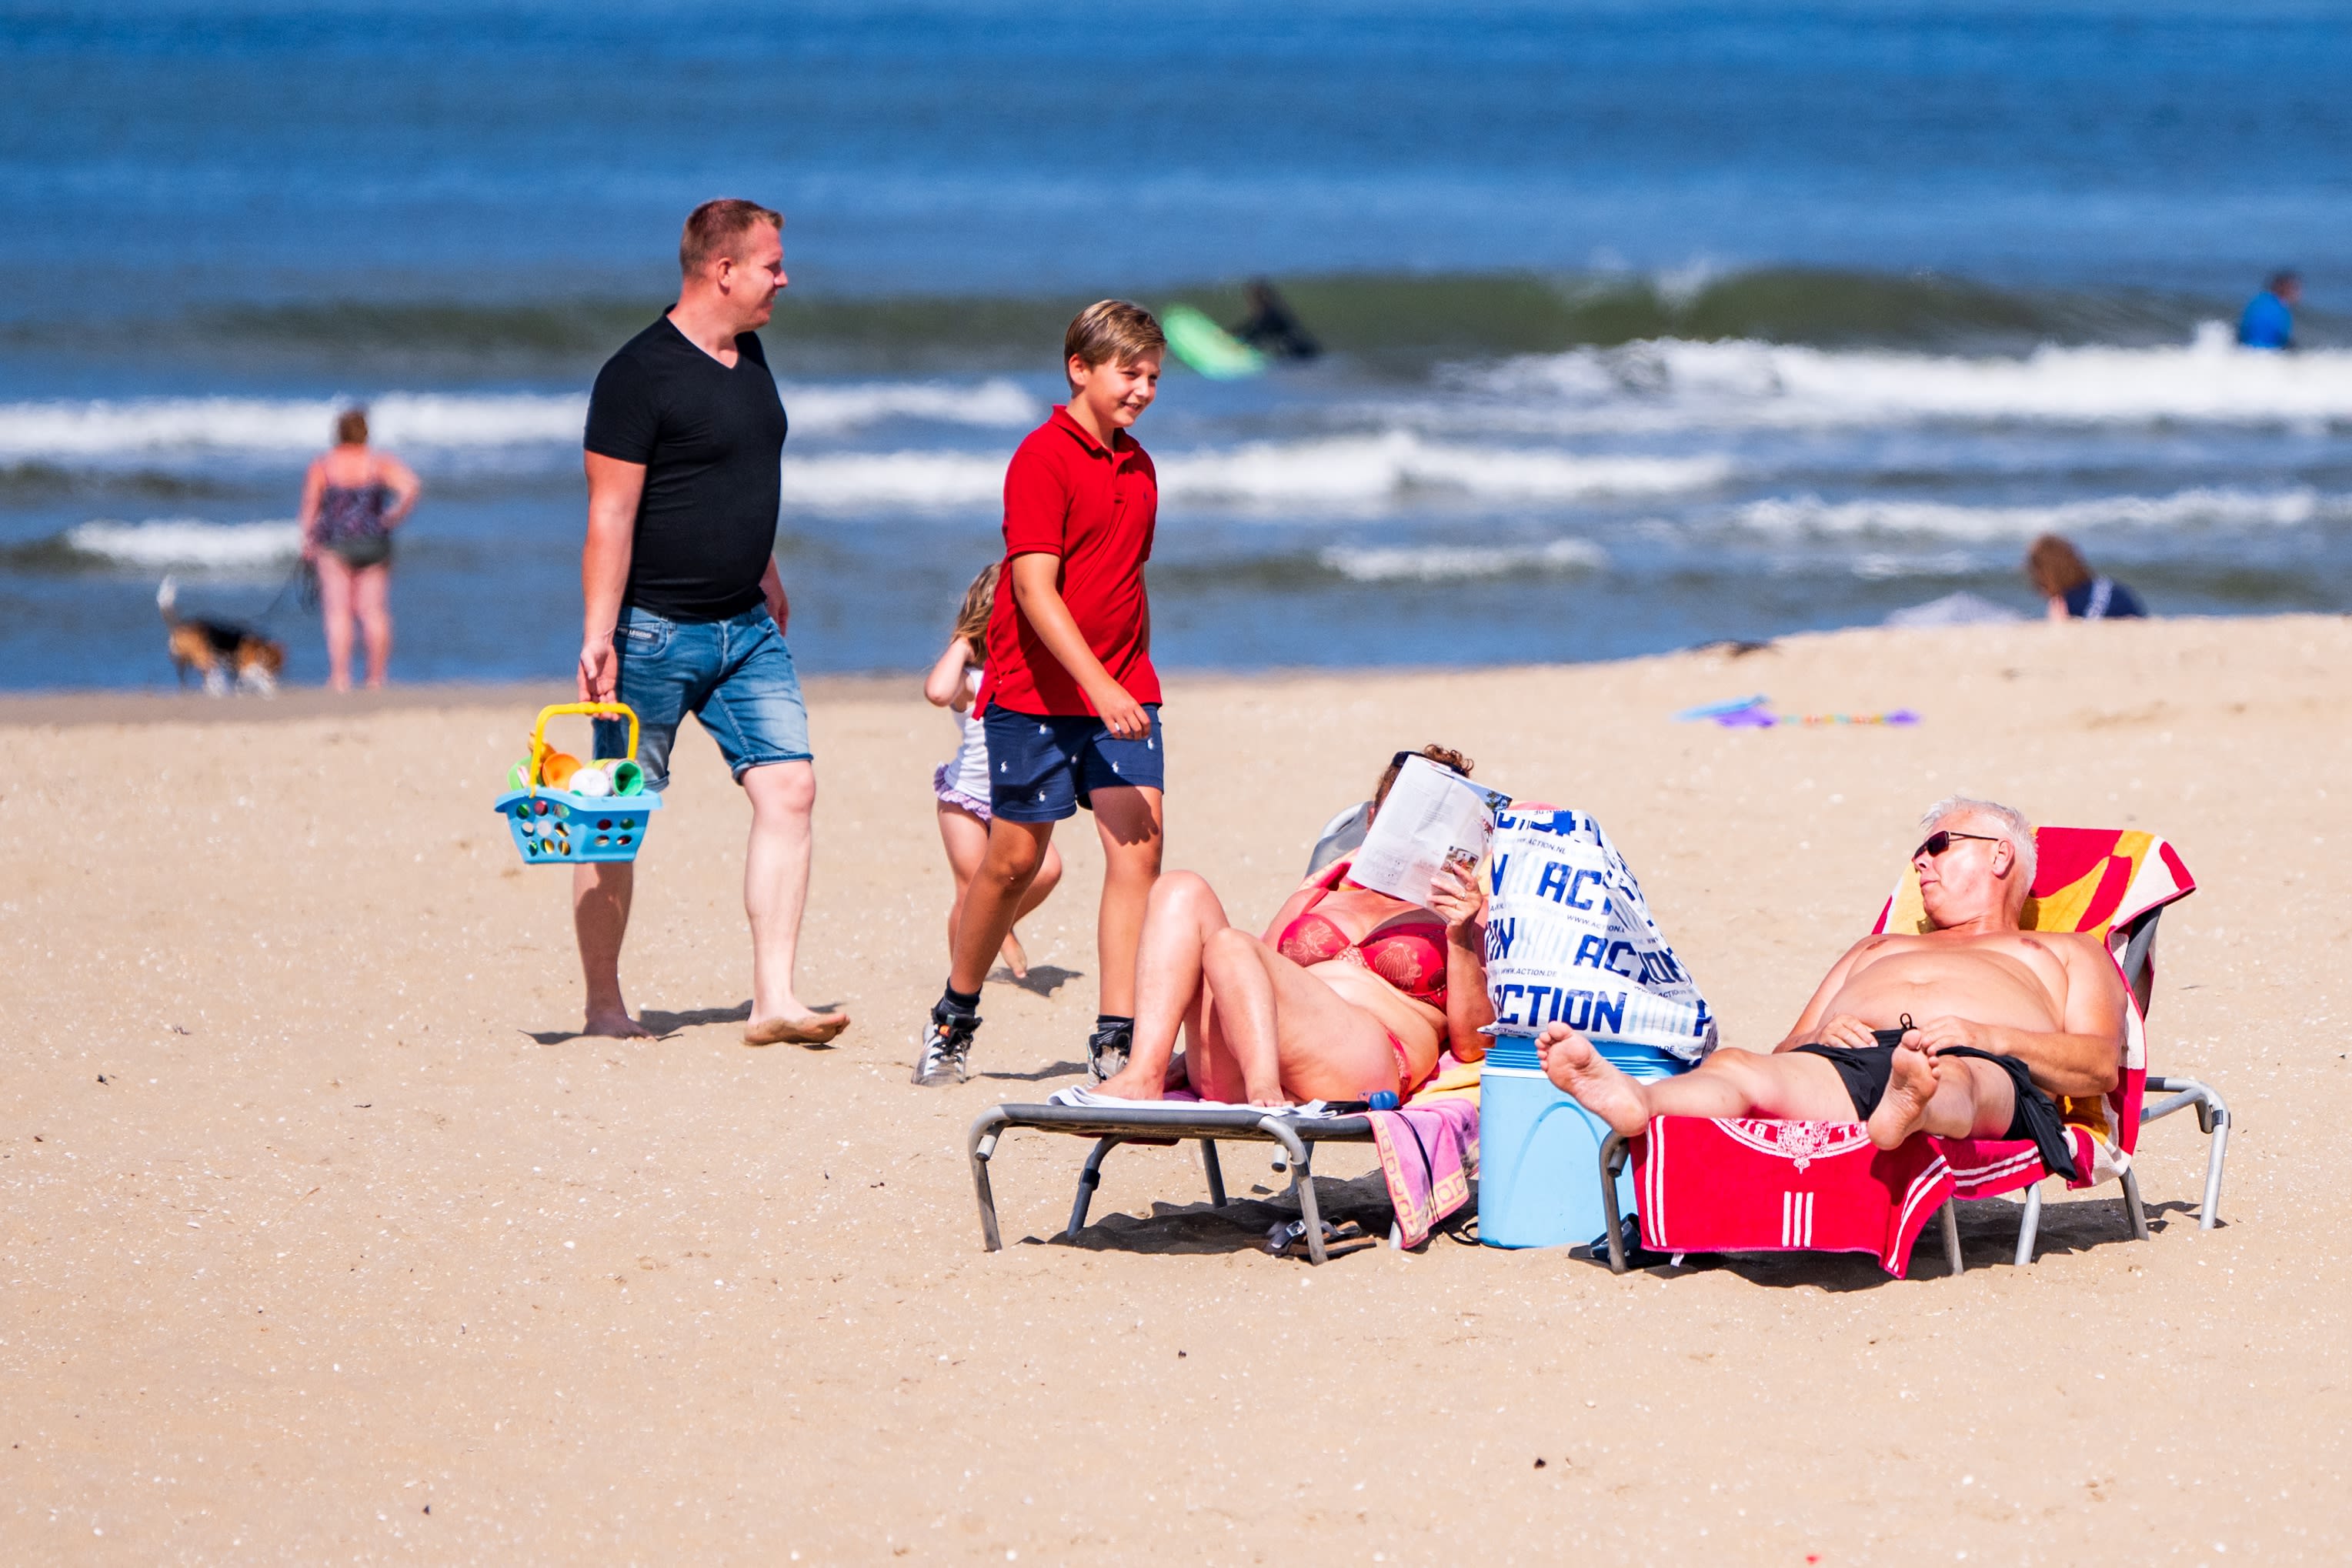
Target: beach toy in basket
[(560, 809)]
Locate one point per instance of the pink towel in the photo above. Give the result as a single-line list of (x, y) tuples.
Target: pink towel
[(1428, 1151)]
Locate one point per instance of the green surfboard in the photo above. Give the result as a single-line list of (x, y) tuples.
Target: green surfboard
[(1208, 347)]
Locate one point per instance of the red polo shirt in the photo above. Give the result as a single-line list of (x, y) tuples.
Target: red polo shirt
[(1067, 494)]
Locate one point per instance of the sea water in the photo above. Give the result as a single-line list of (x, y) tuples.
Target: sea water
[(1736, 321)]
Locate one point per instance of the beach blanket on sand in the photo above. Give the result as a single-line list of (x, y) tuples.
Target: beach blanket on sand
[(1570, 939), (1429, 1150)]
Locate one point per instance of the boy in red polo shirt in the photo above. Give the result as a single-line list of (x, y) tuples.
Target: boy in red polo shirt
[(1070, 699)]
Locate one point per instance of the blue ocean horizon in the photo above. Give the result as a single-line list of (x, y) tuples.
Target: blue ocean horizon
[(1649, 325)]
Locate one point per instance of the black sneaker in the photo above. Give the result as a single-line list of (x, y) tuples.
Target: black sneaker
[(944, 1049), (1107, 1050)]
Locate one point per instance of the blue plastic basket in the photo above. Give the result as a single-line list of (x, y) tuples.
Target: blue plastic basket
[(555, 826), (551, 825)]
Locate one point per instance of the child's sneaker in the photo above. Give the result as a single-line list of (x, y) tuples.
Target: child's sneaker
[(1107, 1050), (944, 1049)]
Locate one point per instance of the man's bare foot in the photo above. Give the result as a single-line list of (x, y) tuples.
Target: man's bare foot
[(617, 1025), (1903, 1109), (1592, 1080), (1015, 958), (807, 1029)]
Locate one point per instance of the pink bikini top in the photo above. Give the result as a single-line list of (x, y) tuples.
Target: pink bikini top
[(1408, 952)]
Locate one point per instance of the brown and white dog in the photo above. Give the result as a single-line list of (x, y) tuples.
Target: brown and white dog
[(221, 651)]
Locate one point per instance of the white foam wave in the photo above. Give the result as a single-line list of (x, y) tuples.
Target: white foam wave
[(187, 546), (1457, 564), (826, 409), (1671, 383), (1345, 476), (280, 426), (2191, 508), (289, 426)]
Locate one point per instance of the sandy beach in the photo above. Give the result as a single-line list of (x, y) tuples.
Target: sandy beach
[(322, 1236)]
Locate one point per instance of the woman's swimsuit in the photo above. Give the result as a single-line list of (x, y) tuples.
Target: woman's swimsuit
[(1408, 952), (350, 522)]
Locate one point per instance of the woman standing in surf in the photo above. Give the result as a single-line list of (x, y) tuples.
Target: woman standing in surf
[(352, 497)]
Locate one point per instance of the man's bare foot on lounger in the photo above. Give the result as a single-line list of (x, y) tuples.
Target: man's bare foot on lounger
[(1903, 1110), (615, 1024), (1594, 1082)]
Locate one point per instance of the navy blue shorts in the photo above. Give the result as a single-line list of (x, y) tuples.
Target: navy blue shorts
[(1044, 769)]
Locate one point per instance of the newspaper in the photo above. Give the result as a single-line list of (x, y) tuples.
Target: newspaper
[(1433, 815)]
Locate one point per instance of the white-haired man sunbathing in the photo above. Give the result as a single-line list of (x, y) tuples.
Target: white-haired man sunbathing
[(1967, 1030)]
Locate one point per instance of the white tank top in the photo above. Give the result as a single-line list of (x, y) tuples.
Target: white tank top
[(968, 769)]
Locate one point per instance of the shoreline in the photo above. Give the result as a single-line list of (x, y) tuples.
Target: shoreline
[(73, 706)]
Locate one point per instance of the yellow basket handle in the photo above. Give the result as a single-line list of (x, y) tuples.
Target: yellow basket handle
[(597, 710)]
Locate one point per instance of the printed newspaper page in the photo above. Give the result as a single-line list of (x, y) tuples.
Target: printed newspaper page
[(1433, 815)]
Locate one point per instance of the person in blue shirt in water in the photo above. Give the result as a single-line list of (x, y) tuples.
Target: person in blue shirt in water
[(2269, 319), (2074, 593)]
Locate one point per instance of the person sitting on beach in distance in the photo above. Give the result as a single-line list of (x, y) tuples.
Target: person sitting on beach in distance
[(352, 497), (2011, 1022), (1273, 327), (1348, 992), (2063, 578), (961, 782), (2269, 319)]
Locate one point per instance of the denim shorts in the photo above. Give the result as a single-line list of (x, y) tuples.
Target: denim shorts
[(1043, 768), (734, 675)]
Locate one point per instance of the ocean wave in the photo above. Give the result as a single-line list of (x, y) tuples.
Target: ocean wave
[(1672, 383), (163, 544), (1464, 562), (1379, 314), (104, 429), (1343, 475), (2212, 508)]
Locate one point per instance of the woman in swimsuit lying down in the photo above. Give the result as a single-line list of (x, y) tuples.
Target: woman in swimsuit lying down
[(1348, 992)]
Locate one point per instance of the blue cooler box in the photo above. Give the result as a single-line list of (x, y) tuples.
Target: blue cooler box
[(1539, 1151)]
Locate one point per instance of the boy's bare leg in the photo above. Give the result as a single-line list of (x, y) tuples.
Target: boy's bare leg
[(601, 893), (775, 894), (1181, 915), (1015, 850), (1128, 819), (1729, 1083)]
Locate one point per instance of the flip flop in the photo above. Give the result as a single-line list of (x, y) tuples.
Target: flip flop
[(810, 1029)]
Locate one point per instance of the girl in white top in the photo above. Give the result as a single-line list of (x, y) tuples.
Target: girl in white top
[(961, 782)]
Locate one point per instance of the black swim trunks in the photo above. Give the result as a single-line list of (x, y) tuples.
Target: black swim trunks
[(1866, 1069)]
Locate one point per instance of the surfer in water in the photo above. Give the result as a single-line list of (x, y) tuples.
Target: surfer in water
[(1273, 328), (2269, 319)]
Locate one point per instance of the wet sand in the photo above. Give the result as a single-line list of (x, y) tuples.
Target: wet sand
[(322, 1237)]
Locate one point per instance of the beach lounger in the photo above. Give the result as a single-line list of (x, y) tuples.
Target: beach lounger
[(1426, 1187), (1706, 1185)]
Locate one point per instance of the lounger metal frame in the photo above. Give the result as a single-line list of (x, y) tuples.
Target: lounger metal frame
[(1296, 1135), (2212, 1120)]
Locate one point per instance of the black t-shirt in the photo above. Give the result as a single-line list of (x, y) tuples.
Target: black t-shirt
[(710, 439)]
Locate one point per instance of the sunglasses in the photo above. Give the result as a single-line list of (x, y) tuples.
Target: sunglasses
[(1935, 843), (1399, 760)]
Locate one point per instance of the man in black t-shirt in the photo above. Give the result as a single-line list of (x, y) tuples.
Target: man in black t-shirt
[(685, 612)]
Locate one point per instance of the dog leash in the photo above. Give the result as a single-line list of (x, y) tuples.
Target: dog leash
[(307, 574)]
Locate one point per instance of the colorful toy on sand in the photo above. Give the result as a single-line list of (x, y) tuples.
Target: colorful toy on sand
[(560, 809), (1752, 714)]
